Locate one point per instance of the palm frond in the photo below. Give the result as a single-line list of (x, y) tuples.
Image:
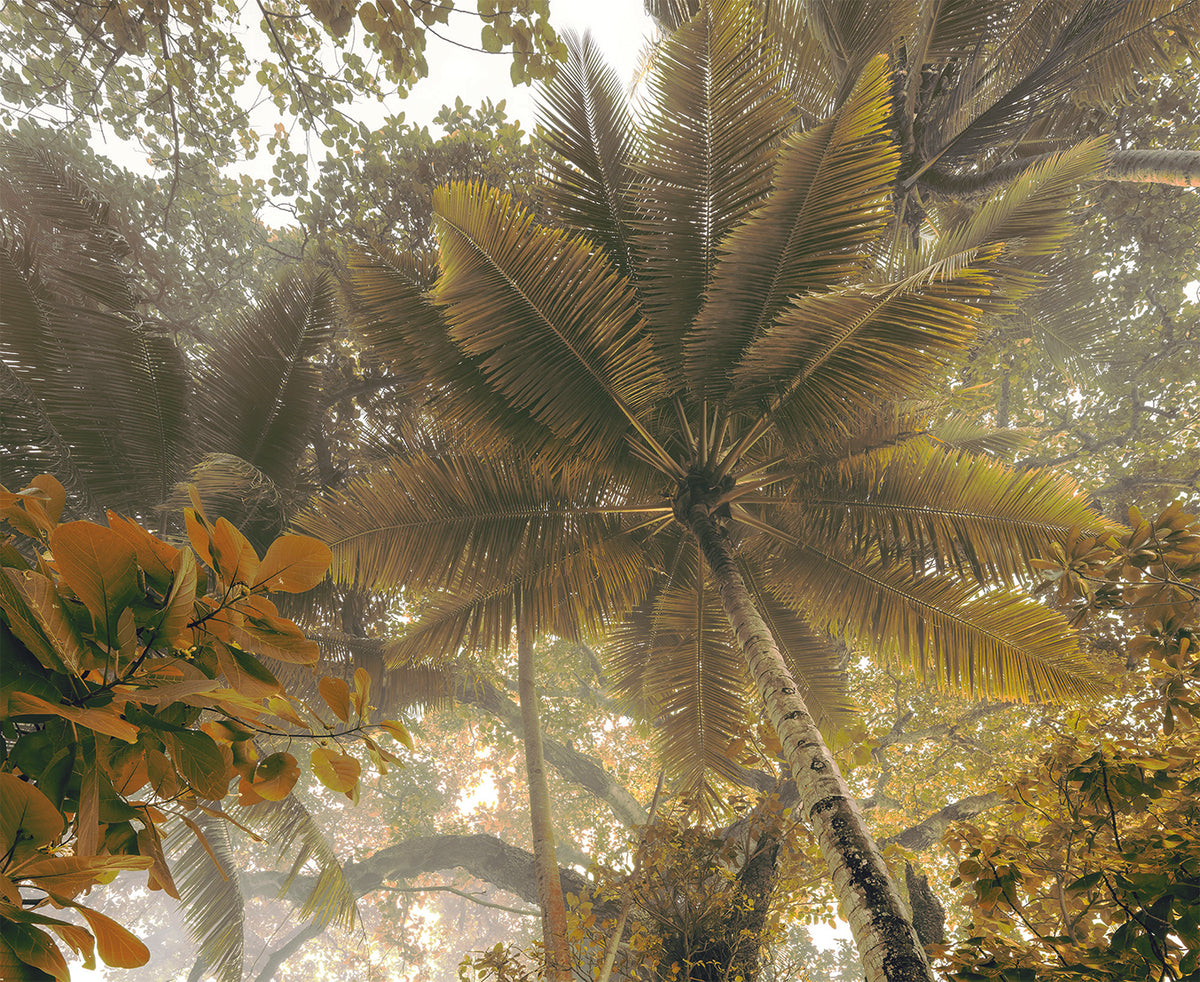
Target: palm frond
[(717, 111), (556, 330), (853, 32), (589, 133), (579, 592), (677, 658), (924, 506), (406, 332), (288, 823), (813, 80), (212, 900), (1028, 218), (831, 357), (831, 197), (259, 389), (102, 398), (992, 643), (813, 659), (425, 522)]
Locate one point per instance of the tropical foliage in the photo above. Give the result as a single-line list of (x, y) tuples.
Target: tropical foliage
[(134, 691), (1096, 871), (715, 352)]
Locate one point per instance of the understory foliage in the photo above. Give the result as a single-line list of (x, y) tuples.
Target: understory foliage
[(136, 687), (1091, 871)]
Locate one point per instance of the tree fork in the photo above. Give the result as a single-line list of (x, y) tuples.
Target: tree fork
[(882, 927)]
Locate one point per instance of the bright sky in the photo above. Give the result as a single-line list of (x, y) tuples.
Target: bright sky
[(621, 28)]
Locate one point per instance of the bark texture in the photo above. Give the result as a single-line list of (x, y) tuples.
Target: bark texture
[(1180, 168), (870, 902), (550, 895)]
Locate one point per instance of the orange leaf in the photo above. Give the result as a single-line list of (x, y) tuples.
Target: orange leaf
[(100, 720), (157, 559), (293, 564), (336, 694), (100, 567), (236, 560), (23, 808), (245, 673), (115, 945), (362, 690), (198, 536)]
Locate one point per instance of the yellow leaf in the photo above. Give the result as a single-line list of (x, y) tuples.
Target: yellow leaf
[(336, 694), (293, 564), (180, 605), (338, 772), (399, 731)]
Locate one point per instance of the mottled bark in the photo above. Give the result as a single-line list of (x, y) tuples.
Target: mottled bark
[(870, 902), (550, 895)]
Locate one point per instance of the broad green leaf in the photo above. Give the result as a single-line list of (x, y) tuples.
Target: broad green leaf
[(200, 761), (26, 813), (275, 776)]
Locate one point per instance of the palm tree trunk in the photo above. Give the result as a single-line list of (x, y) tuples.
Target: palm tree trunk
[(554, 910), (882, 926)]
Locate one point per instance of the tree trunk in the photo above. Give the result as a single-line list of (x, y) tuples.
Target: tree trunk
[(550, 895), (870, 902)]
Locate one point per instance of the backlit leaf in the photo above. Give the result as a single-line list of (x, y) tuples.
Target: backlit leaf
[(293, 564), (100, 567)]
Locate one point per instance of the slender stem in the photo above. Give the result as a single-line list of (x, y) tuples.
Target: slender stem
[(614, 940), (753, 435), (554, 910), (703, 448)]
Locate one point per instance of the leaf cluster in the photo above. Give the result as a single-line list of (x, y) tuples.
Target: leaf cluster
[(136, 688)]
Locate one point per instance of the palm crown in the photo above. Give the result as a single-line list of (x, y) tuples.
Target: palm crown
[(711, 349)]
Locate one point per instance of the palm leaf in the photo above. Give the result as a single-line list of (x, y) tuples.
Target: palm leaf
[(587, 129), (288, 823), (677, 658), (576, 594), (853, 32), (212, 900), (407, 333), (992, 643), (717, 112), (952, 510), (90, 394), (831, 197), (556, 330), (259, 389)]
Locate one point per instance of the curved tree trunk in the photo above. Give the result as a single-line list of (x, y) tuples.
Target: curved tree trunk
[(1177, 167), (870, 902), (550, 895)]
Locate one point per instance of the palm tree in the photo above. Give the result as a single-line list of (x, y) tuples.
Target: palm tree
[(686, 404)]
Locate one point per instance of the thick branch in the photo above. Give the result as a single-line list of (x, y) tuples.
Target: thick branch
[(926, 833), (1178, 167)]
